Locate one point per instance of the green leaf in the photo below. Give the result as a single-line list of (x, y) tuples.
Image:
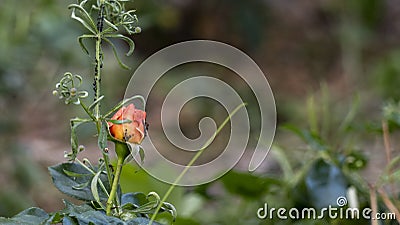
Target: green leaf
[(84, 214), (103, 134), (94, 189), (76, 186), (116, 54), (56, 218), (147, 207), (136, 198), (74, 141), (126, 39), (134, 203), (86, 21), (141, 154), (120, 121), (80, 186), (31, 216), (69, 221), (75, 123), (138, 203), (91, 107), (80, 41), (115, 28), (171, 209), (72, 174)]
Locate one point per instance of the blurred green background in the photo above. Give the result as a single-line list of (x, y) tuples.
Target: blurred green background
[(332, 66)]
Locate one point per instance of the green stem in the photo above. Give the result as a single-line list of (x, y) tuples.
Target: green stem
[(195, 157), (105, 156), (87, 111), (114, 187), (107, 163), (97, 76), (99, 62), (97, 88)]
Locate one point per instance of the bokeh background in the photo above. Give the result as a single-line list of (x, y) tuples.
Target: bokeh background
[(328, 62)]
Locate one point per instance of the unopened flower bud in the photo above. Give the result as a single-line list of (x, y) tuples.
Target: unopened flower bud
[(73, 91)]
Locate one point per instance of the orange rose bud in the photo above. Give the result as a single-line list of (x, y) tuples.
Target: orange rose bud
[(133, 131)]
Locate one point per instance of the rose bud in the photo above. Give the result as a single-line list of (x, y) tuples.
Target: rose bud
[(132, 131)]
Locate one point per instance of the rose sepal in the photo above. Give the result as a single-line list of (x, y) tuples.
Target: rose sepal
[(122, 149)]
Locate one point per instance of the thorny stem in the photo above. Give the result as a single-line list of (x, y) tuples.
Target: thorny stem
[(97, 82), (114, 187), (97, 75), (99, 59)]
